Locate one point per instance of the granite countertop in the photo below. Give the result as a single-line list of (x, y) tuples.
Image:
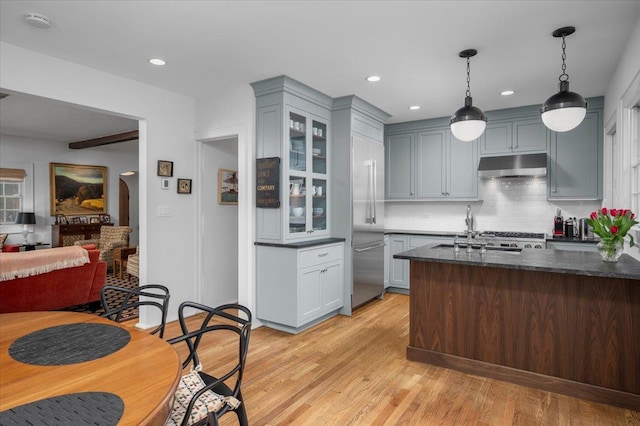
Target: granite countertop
[(559, 261), (303, 244)]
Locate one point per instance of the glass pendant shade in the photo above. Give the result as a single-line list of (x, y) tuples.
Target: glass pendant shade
[(564, 111), (469, 122)]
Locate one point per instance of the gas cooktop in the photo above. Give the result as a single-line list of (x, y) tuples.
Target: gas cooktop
[(515, 235)]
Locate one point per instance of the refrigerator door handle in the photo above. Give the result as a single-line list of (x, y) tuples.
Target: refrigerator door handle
[(369, 208), (375, 191), (368, 248)]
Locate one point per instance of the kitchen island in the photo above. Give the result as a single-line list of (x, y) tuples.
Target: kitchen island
[(561, 321)]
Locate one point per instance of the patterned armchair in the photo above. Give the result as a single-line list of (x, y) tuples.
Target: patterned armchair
[(133, 264), (110, 237)]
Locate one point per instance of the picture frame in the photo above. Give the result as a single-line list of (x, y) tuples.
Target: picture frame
[(83, 219), (105, 218), (77, 189), (75, 220), (184, 186), (227, 186), (61, 219), (94, 219), (165, 168)]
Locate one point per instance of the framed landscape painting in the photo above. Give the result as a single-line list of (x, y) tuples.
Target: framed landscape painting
[(77, 189)]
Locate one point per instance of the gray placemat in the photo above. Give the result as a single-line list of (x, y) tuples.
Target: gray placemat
[(86, 408), (69, 344)]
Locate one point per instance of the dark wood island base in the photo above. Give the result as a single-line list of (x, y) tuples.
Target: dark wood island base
[(577, 335)]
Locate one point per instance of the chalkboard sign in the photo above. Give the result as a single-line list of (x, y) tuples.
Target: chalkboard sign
[(268, 182)]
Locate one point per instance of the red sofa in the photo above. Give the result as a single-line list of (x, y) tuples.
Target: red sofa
[(56, 289)]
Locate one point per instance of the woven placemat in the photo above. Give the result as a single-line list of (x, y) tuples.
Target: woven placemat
[(86, 408), (69, 344)]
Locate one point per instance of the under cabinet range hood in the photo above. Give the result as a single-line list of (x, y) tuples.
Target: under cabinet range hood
[(513, 165)]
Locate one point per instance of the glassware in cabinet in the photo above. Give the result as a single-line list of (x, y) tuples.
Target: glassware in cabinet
[(297, 205), (319, 147), (297, 142), (319, 204)]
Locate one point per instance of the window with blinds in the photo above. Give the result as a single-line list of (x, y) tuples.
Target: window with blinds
[(11, 194)]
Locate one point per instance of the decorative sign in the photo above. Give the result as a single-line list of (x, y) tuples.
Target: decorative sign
[(268, 182)]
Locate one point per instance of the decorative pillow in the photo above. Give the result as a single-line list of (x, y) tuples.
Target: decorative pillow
[(3, 238), (208, 401)]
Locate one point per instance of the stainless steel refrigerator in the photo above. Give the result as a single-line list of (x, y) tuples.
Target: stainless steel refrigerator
[(367, 228)]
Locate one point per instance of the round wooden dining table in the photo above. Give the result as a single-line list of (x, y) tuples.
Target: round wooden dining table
[(140, 371)]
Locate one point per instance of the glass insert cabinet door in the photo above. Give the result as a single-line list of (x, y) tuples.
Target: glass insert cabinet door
[(319, 150), (319, 203)]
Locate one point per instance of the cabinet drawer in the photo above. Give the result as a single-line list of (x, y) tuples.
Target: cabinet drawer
[(322, 254)]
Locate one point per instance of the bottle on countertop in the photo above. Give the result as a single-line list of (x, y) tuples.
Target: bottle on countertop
[(558, 224)]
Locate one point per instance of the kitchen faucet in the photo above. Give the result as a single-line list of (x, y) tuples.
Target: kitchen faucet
[(469, 221)]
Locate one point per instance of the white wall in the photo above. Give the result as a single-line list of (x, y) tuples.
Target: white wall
[(231, 114), (627, 70), (39, 153), (220, 226), (510, 204), (166, 133)]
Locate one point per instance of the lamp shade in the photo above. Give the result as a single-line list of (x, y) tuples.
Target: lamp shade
[(563, 111), (26, 219), (469, 122)]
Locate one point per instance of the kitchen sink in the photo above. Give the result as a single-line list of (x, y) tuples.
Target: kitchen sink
[(515, 250)]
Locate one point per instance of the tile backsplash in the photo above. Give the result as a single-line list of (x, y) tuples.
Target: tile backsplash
[(509, 204)]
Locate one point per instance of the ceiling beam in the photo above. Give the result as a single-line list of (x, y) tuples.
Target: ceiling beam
[(105, 140)]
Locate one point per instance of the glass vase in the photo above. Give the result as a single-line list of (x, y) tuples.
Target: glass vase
[(610, 250)]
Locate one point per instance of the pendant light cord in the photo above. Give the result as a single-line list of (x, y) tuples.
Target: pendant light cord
[(468, 78), (564, 66)]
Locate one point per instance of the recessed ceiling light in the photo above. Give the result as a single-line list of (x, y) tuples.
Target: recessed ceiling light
[(507, 93), (157, 61), (414, 107), (373, 78), (38, 20)]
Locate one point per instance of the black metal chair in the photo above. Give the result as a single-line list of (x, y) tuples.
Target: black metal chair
[(231, 321), (117, 301)]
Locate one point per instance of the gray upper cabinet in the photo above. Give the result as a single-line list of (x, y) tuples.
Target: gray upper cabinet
[(293, 123), (430, 164), (514, 136), (432, 158), (399, 166), (575, 161)]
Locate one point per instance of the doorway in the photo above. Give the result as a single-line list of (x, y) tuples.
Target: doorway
[(219, 220)]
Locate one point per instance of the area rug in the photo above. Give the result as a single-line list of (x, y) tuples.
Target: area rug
[(112, 300)]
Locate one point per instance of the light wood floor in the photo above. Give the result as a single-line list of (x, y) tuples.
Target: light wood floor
[(353, 371)]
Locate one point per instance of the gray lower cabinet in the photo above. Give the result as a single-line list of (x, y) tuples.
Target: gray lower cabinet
[(299, 287), (386, 261), (573, 246), (575, 161), (399, 268)]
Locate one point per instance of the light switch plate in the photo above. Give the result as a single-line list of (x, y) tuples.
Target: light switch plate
[(164, 183), (164, 211)]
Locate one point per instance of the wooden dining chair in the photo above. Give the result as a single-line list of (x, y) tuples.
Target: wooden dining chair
[(202, 397), (118, 301)]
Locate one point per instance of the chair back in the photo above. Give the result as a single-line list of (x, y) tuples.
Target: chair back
[(111, 234), (230, 317), (118, 300)]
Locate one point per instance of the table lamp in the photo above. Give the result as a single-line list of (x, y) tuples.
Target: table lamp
[(26, 219)]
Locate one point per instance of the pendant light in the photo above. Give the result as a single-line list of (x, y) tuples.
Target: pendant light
[(565, 110), (469, 122)]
